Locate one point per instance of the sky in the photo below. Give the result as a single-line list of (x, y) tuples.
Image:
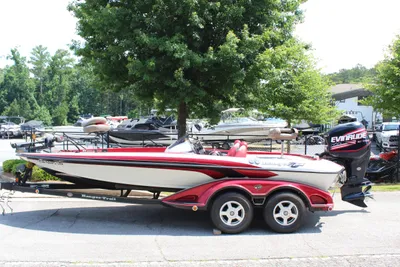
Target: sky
[(343, 33)]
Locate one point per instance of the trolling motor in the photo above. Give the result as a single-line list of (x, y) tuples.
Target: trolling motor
[(349, 145), (46, 143)]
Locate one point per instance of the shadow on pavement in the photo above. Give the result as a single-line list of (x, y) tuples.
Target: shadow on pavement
[(141, 220)]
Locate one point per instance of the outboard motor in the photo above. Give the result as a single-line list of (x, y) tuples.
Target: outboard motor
[(349, 145)]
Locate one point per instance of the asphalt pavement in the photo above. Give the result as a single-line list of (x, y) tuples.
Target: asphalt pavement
[(68, 232)]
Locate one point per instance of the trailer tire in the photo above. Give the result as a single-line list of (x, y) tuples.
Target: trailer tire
[(284, 212), (231, 213)]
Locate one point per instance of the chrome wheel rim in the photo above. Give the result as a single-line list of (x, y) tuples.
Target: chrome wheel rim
[(285, 213), (232, 213)]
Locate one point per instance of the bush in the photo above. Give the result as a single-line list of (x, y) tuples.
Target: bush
[(11, 165), (38, 174)]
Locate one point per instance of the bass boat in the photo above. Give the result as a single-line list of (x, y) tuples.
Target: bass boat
[(182, 165), (166, 169)]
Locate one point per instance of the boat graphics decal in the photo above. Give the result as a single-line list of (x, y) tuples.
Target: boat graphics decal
[(214, 171)]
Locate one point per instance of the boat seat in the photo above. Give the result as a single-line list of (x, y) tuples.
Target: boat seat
[(239, 149), (232, 151), (242, 152)]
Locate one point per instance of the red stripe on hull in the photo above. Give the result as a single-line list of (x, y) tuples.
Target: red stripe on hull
[(257, 173), (140, 158)]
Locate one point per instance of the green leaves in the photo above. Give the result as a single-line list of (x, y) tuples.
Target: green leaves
[(17, 87), (386, 86), (358, 74), (196, 54), (292, 87), (56, 90)]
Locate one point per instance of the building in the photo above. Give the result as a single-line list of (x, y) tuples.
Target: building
[(347, 99)]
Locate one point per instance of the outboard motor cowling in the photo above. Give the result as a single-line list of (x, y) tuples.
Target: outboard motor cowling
[(348, 144)]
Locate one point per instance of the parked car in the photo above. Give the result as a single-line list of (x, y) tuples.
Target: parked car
[(387, 135)]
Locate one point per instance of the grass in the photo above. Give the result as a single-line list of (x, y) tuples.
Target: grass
[(379, 188), (385, 188)]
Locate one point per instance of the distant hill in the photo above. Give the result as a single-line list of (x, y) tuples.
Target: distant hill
[(358, 74)]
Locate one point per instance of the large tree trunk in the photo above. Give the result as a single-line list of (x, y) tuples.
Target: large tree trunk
[(182, 116)]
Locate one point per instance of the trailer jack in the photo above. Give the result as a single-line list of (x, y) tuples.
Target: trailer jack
[(5, 197)]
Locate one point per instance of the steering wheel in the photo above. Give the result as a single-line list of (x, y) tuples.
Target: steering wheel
[(198, 147)]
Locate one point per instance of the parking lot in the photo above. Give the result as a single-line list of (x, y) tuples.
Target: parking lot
[(50, 231)]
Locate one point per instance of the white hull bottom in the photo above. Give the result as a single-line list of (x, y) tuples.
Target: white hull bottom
[(166, 178), (139, 176)]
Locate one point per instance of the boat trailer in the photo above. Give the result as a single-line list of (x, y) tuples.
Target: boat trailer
[(67, 190)]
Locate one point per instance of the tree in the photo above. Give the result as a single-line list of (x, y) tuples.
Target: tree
[(19, 108), (190, 55), (358, 74), (73, 110), (40, 58), (94, 98), (60, 69), (17, 85), (1, 75), (60, 114), (293, 89), (13, 109), (42, 114), (58, 85), (386, 85)]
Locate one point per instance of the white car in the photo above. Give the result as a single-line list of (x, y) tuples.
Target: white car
[(387, 135)]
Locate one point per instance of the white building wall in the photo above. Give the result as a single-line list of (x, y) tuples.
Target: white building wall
[(351, 106)]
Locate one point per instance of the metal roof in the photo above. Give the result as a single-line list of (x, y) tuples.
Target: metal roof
[(348, 90)]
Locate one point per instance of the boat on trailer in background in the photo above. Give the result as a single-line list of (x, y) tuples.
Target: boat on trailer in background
[(229, 184), (232, 126)]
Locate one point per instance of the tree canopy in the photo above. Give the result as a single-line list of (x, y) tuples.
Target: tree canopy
[(386, 86), (358, 74), (55, 89), (293, 89), (190, 55)]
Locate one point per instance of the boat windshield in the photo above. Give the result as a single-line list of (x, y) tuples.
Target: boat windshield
[(391, 127), (182, 145)]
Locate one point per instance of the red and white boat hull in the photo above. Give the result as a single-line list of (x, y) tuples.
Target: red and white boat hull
[(182, 171)]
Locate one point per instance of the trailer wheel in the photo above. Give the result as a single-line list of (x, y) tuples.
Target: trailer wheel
[(231, 213), (284, 212)]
